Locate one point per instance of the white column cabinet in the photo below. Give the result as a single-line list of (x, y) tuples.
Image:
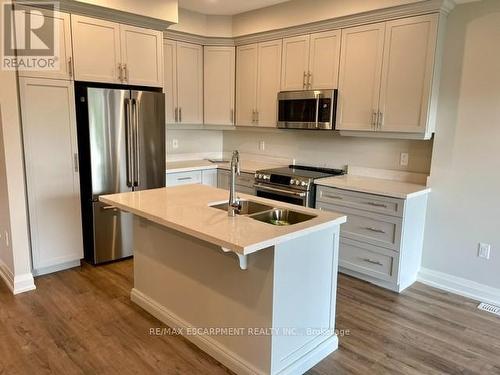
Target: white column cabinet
[(258, 83), (359, 78), (183, 82), (219, 86), (49, 130), (109, 52), (311, 61), (246, 84)]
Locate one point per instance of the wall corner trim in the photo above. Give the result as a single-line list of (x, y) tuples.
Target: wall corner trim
[(17, 284), (460, 286)]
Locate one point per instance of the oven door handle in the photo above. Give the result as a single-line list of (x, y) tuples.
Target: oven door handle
[(281, 191)]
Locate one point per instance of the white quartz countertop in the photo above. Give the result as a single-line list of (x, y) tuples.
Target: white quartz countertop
[(247, 166), (187, 209), (371, 185)]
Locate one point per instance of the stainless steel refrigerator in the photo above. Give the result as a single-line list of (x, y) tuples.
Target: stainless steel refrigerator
[(121, 139)]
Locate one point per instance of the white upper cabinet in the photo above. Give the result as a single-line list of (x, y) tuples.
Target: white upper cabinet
[(246, 84), (219, 77), (170, 79), (112, 53), (359, 77), (311, 61), (407, 74), (189, 83), (258, 83), (268, 84), (96, 50), (62, 28), (142, 56), (295, 67), (51, 156)]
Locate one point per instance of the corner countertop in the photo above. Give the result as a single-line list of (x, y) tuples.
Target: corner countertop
[(187, 209), (371, 185), (247, 166)]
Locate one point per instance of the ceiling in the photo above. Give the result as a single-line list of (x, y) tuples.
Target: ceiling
[(225, 7)]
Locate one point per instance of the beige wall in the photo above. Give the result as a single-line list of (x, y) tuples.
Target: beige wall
[(328, 149), (202, 24), (464, 205), (298, 12)]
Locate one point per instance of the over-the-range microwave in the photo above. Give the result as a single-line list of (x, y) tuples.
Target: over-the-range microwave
[(311, 109)]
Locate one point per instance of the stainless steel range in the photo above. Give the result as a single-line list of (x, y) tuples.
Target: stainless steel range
[(292, 184)]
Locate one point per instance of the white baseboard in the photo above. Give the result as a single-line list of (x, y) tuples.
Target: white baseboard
[(57, 267), (460, 286), (17, 284)]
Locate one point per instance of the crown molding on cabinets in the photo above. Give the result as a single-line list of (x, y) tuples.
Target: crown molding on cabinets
[(443, 7), (86, 9), (198, 39)]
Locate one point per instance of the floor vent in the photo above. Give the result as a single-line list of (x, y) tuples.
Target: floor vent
[(490, 308)]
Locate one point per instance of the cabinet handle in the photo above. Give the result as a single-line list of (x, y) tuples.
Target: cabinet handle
[(309, 79), (368, 260), (125, 74), (374, 120), (376, 230), (375, 204), (184, 178), (256, 116), (332, 196), (70, 67), (253, 116), (120, 72), (381, 120), (75, 161), (304, 85), (180, 114), (175, 114)]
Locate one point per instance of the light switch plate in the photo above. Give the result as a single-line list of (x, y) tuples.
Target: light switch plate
[(175, 143), (404, 159), (484, 250), (262, 145)]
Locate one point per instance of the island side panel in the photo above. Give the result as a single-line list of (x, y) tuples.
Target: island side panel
[(305, 291), (186, 282)]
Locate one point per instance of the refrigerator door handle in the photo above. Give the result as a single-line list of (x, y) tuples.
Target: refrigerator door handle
[(136, 143), (128, 130)]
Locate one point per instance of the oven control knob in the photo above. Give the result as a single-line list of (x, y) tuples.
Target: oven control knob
[(260, 175), (297, 182), (303, 183), (292, 181)]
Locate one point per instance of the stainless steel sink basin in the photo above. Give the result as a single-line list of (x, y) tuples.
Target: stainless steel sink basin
[(247, 207), (279, 216)]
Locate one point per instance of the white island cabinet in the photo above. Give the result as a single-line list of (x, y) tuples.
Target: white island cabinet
[(257, 297)]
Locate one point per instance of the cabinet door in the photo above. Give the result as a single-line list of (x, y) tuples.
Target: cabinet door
[(246, 84), (359, 77), (142, 56), (268, 85), (295, 63), (324, 58), (407, 74), (96, 49), (49, 130), (189, 83), (218, 78), (62, 28), (170, 79)]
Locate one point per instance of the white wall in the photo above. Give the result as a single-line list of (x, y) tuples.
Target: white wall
[(194, 142), (202, 24), (464, 207), (330, 150)]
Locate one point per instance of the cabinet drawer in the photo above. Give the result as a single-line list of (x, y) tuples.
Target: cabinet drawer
[(362, 201), (184, 178), (369, 260), (376, 229)]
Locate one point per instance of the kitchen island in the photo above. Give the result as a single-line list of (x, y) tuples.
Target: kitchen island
[(258, 297)]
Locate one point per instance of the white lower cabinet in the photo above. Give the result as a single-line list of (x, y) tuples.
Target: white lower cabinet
[(383, 237), (205, 177), (51, 156)]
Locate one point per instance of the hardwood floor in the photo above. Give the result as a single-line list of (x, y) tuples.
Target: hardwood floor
[(81, 321)]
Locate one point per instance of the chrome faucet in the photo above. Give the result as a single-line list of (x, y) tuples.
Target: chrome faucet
[(234, 205)]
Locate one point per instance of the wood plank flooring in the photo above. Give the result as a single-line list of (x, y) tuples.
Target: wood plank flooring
[(81, 321)]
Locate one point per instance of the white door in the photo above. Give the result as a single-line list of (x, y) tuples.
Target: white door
[(142, 56), (189, 83), (50, 146), (170, 79), (268, 84), (64, 54), (359, 77), (324, 58), (218, 87), (295, 63), (96, 50), (246, 84), (407, 73)]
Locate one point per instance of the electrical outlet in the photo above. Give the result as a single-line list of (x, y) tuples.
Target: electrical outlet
[(175, 143), (262, 145), (403, 161), (484, 250)]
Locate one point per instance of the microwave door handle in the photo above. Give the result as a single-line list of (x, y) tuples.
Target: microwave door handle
[(317, 112)]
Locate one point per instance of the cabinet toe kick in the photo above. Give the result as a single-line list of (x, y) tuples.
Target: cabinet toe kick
[(242, 258)]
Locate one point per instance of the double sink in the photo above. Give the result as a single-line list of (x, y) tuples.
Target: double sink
[(268, 214)]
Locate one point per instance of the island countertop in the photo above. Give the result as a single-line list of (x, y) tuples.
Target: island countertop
[(187, 209)]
